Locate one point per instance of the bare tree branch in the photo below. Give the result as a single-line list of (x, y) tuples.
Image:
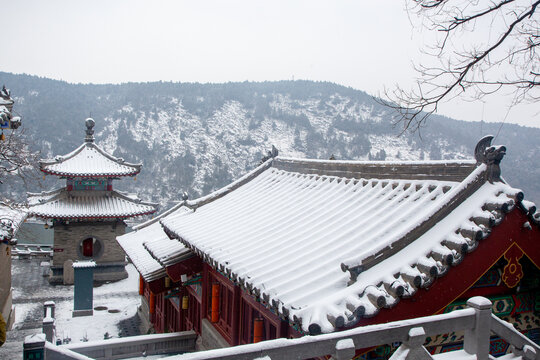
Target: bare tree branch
[(507, 60)]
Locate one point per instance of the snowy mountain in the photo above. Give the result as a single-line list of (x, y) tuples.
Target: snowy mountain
[(198, 137)]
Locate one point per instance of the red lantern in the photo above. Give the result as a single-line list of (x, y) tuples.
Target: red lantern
[(258, 330), (215, 303)]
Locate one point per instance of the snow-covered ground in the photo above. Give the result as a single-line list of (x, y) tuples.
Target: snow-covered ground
[(120, 299), (118, 302)]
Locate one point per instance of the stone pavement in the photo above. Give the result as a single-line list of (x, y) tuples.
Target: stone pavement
[(115, 307)]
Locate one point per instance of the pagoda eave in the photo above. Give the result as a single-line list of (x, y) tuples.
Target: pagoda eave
[(93, 217), (73, 175), (86, 205)]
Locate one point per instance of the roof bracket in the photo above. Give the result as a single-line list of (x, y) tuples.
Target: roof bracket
[(270, 155)]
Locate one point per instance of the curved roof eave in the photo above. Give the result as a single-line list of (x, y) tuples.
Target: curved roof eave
[(129, 169)]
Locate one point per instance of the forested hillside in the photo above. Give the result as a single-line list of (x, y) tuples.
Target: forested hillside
[(198, 137)]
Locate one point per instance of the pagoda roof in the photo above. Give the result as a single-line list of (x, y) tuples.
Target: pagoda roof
[(324, 243), (89, 160), (63, 204)]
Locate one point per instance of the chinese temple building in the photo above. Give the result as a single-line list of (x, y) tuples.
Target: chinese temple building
[(303, 247), (87, 214)]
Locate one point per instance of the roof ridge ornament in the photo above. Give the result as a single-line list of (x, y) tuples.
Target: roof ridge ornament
[(485, 153), (89, 130), (270, 155)]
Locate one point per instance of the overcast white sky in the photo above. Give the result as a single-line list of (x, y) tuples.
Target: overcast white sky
[(367, 45)]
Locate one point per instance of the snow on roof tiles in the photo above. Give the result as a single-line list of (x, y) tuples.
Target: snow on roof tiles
[(300, 239), (166, 251), (62, 204), (88, 160), (132, 243), (150, 249)]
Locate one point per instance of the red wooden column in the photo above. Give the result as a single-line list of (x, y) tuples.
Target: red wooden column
[(236, 315), (141, 285), (205, 291), (152, 302), (221, 304)]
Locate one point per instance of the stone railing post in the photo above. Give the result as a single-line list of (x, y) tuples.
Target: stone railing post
[(34, 347), (344, 349), (413, 348), (477, 339), (49, 326), (48, 329), (49, 305)]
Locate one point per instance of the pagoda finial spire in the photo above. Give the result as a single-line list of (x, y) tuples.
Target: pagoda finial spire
[(89, 130)]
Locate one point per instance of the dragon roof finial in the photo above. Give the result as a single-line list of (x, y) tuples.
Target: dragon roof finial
[(490, 155)]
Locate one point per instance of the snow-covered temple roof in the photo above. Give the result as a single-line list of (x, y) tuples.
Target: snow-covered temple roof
[(133, 244), (63, 204), (150, 249), (11, 218), (89, 160), (166, 251), (324, 243)]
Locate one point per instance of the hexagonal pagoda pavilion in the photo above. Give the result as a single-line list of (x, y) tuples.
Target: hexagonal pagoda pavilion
[(87, 214)]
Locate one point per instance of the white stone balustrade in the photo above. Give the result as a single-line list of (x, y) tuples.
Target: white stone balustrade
[(477, 321)]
